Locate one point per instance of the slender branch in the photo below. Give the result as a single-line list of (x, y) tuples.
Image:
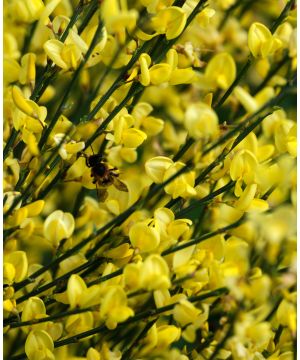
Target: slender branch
[(273, 71), (76, 248), (240, 75), (183, 149), (140, 316), (51, 70), (57, 281), (61, 315), (222, 343), (205, 199), (28, 37), (283, 15), (274, 101), (204, 237), (67, 92)]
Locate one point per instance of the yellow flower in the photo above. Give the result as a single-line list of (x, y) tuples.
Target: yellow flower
[(66, 56), (35, 208), (28, 10), (79, 323), (159, 338), (205, 16), (39, 346), (159, 73), (243, 166), (34, 308), (28, 107), (261, 42), (286, 315), (118, 18), (201, 121), (114, 307), (15, 267), (58, 226), (155, 273), (11, 71), (27, 73), (150, 124), (221, 71), (156, 168), (190, 318), (144, 236), (80, 295), (93, 354), (170, 21), (67, 149), (182, 185)]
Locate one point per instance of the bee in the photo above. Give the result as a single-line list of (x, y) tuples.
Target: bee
[(103, 176)]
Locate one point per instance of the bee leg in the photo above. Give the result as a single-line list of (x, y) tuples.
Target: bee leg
[(114, 174)]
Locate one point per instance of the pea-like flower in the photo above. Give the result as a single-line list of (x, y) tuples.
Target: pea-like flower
[(39, 346), (58, 226), (201, 121), (261, 42), (113, 308)]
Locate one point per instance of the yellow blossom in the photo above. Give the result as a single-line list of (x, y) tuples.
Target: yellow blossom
[(58, 226), (39, 345), (221, 71), (113, 308), (261, 42)]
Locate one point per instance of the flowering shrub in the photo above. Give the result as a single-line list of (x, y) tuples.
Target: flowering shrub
[(149, 179)]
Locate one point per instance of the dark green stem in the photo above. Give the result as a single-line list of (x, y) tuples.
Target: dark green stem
[(240, 75), (28, 37), (61, 315), (283, 15), (58, 281), (204, 237), (58, 112), (140, 316), (205, 200)]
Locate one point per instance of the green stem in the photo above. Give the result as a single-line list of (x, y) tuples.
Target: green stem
[(119, 219), (205, 200), (284, 92), (283, 15), (58, 281), (51, 70), (240, 75), (58, 112), (273, 71), (127, 353), (229, 11), (89, 14), (140, 316), (28, 37), (204, 237), (135, 88), (222, 343), (183, 149), (61, 315), (10, 142)]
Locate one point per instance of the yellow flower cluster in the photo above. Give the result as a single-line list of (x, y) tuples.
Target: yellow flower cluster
[(149, 182)]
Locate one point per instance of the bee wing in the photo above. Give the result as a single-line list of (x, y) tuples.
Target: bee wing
[(102, 194), (120, 185)]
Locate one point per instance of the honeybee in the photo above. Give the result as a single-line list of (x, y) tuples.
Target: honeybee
[(103, 176)]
